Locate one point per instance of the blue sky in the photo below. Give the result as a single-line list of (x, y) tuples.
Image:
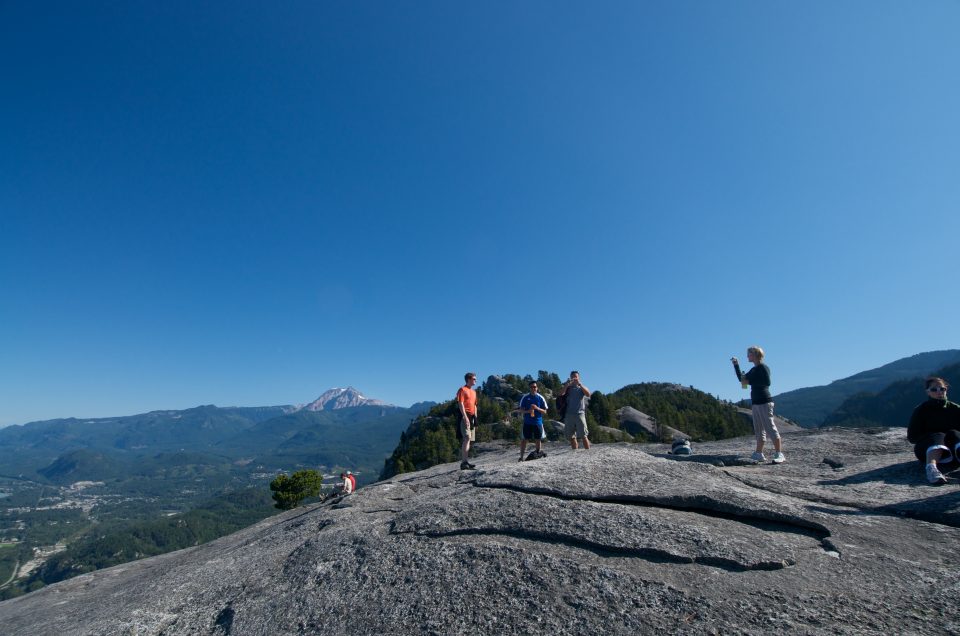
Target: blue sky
[(245, 204)]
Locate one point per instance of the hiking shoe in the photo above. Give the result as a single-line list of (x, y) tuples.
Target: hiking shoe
[(758, 457), (934, 476), (541, 454), (779, 458), (467, 466)]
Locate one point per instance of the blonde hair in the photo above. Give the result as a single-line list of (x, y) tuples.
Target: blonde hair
[(756, 351)]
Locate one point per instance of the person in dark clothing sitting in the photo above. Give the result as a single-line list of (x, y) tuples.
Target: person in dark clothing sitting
[(934, 431)]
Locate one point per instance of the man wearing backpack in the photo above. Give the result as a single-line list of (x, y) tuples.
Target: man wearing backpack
[(533, 406), (575, 420)]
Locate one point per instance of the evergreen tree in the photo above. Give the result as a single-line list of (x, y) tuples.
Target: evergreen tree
[(601, 411), (548, 381), (289, 491)]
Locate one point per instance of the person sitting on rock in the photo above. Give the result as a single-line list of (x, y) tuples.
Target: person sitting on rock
[(934, 431), (349, 483)]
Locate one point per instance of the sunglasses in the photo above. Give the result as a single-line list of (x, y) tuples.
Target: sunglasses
[(937, 389)]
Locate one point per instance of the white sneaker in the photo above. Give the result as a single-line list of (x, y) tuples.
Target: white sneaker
[(758, 457), (934, 476), (779, 458)]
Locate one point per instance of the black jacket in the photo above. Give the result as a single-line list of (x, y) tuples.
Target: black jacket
[(933, 416), (759, 379)]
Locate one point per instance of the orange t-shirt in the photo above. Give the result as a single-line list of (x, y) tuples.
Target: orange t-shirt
[(468, 397)]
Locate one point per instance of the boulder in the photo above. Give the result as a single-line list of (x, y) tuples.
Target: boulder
[(496, 386), (615, 433), (635, 422)]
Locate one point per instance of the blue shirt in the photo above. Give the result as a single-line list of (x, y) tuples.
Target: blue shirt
[(529, 400)]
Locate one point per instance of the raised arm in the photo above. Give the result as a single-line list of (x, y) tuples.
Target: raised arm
[(736, 368)]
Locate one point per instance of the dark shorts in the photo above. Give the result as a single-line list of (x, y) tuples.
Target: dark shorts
[(532, 432)]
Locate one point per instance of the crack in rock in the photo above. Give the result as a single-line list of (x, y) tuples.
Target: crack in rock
[(778, 522), (649, 554), (829, 498), (617, 527)]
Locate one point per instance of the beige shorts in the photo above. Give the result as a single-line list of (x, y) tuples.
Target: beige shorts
[(575, 425), (462, 429)]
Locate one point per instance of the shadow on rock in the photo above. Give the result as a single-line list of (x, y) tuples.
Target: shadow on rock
[(905, 473), (712, 460), (943, 508)]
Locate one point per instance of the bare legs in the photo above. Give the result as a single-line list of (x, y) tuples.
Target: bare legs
[(574, 446), (935, 454)]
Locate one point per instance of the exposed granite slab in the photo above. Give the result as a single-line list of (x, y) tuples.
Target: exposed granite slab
[(621, 539)]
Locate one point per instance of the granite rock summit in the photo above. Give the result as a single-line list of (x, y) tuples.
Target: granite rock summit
[(846, 537)]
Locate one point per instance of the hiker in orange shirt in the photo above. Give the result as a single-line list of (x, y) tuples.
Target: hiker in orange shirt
[(467, 429)]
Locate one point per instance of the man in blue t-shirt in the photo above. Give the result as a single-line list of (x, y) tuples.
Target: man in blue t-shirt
[(533, 406)]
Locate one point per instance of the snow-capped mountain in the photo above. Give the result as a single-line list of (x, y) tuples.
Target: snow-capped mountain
[(341, 399)]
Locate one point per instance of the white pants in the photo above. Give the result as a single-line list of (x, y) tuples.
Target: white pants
[(763, 422)]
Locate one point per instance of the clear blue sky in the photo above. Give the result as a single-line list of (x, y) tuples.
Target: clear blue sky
[(248, 203)]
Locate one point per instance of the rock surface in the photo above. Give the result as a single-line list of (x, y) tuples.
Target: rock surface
[(846, 537)]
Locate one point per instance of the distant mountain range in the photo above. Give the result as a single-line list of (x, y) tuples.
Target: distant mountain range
[(340, 429), (892, 405), (810, 407)]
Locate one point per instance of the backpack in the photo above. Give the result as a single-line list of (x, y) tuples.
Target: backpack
[(562, 406), (353, 482)]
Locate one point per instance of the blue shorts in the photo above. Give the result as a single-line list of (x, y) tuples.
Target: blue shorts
[(532, 432)]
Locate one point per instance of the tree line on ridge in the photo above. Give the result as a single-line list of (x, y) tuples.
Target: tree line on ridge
[(431, 438)]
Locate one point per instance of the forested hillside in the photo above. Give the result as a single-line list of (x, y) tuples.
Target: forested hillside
[(700, 415), (76, 495), (119, 543), (431, 438), (891, 406)]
